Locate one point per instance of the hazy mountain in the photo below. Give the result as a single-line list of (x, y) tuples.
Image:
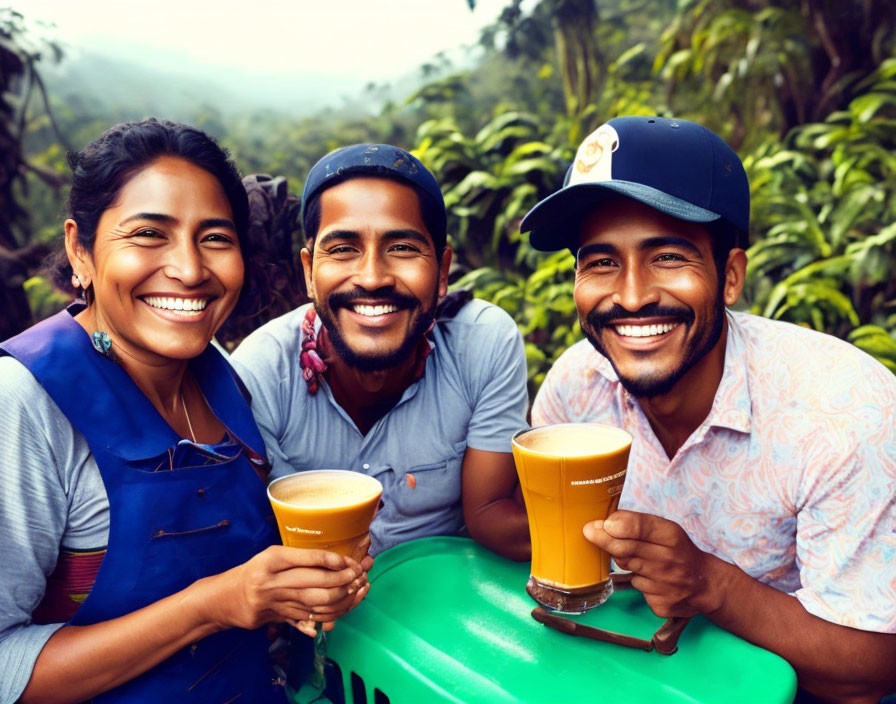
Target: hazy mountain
[(152, 83)]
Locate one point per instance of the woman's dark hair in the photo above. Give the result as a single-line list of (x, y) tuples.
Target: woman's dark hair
[(103, 167), (432, 213)]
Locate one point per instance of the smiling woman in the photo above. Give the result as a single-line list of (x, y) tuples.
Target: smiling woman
[(137, 537), (165, 269)]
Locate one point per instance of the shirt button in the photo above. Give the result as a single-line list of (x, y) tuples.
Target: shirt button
[(365, 466)]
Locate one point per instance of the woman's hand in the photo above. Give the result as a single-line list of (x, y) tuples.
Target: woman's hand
[(327, 618), (277, 585), (282, 584)]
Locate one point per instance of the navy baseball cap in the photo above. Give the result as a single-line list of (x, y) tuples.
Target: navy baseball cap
[(678, 167), (382, 160)]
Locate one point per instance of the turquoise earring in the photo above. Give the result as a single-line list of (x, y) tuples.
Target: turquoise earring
[(102, 343)]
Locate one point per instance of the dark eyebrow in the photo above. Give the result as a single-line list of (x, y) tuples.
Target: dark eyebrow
[(170, 220), (155, 217), (597, 248), (349, 235), (391, 235), (670, 241), (408, 234), (649, 243), (217, 222)]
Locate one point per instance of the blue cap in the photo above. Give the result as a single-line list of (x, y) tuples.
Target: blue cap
[(382, 160), (678, 167)]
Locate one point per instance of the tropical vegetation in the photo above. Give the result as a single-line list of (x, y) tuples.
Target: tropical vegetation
[(805, 91)]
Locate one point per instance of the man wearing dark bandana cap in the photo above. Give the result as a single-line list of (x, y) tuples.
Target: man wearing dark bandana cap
[(377, 375)]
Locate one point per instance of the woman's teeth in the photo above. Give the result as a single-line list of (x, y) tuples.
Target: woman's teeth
[(190, 306), (371, 311), (644, 330)]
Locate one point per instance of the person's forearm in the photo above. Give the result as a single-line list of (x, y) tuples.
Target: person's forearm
[(79, 662), (503, 527), (833, 662)]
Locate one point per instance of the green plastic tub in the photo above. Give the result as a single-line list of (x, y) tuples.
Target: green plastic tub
[(448, 621)]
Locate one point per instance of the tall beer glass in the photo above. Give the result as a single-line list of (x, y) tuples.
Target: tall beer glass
[(570, 473)]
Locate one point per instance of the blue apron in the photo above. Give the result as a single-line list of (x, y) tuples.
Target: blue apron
[(167, 528)]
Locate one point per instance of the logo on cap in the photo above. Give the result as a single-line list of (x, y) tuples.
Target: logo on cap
[(594, 160)]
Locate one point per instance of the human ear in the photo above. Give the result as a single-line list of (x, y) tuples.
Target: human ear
[(444, 267), (306, 270), (78, 257), (735, 275)]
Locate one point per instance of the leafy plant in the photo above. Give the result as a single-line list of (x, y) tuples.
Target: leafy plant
[(490, 181), (542, 305), (805, 91), (824, 208)]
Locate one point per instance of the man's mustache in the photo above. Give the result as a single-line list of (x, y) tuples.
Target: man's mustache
[(383, 296), (597, 319)]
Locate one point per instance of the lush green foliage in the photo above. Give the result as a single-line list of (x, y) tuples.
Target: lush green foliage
[(20, 254), (806, 92), (824, 193), (825, 203), (541, 303)]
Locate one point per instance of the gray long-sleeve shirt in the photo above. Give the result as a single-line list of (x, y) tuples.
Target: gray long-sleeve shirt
[(51, 497)]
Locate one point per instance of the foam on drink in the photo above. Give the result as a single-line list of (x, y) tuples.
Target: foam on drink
[(329, 509), (319, 490), (582, 440)]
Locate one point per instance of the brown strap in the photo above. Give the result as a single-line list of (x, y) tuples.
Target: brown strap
[(665, 640), (578, 629)]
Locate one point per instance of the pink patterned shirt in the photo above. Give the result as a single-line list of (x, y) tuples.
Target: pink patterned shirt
[(792, 476)]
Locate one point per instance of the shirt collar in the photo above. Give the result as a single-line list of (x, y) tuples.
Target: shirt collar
[(732, 405)]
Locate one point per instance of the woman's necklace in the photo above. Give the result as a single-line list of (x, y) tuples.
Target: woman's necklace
[(187, 414)]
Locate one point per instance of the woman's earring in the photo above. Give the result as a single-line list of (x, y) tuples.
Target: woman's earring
[(76, 281), (102, 343)]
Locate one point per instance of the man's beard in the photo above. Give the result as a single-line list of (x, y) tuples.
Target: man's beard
[(652, 385), (372, 362)]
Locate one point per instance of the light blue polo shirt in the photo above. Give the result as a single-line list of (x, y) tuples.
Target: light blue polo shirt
[(472, 394)]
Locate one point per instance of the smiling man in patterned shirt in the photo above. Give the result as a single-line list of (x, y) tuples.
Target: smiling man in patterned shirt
[(761, 483)]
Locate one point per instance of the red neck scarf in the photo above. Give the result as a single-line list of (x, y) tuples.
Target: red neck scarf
[(317, 352)]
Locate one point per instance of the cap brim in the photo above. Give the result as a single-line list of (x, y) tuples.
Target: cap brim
[(554, 223)]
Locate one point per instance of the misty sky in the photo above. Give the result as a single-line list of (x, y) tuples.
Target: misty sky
[(338, 45)]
